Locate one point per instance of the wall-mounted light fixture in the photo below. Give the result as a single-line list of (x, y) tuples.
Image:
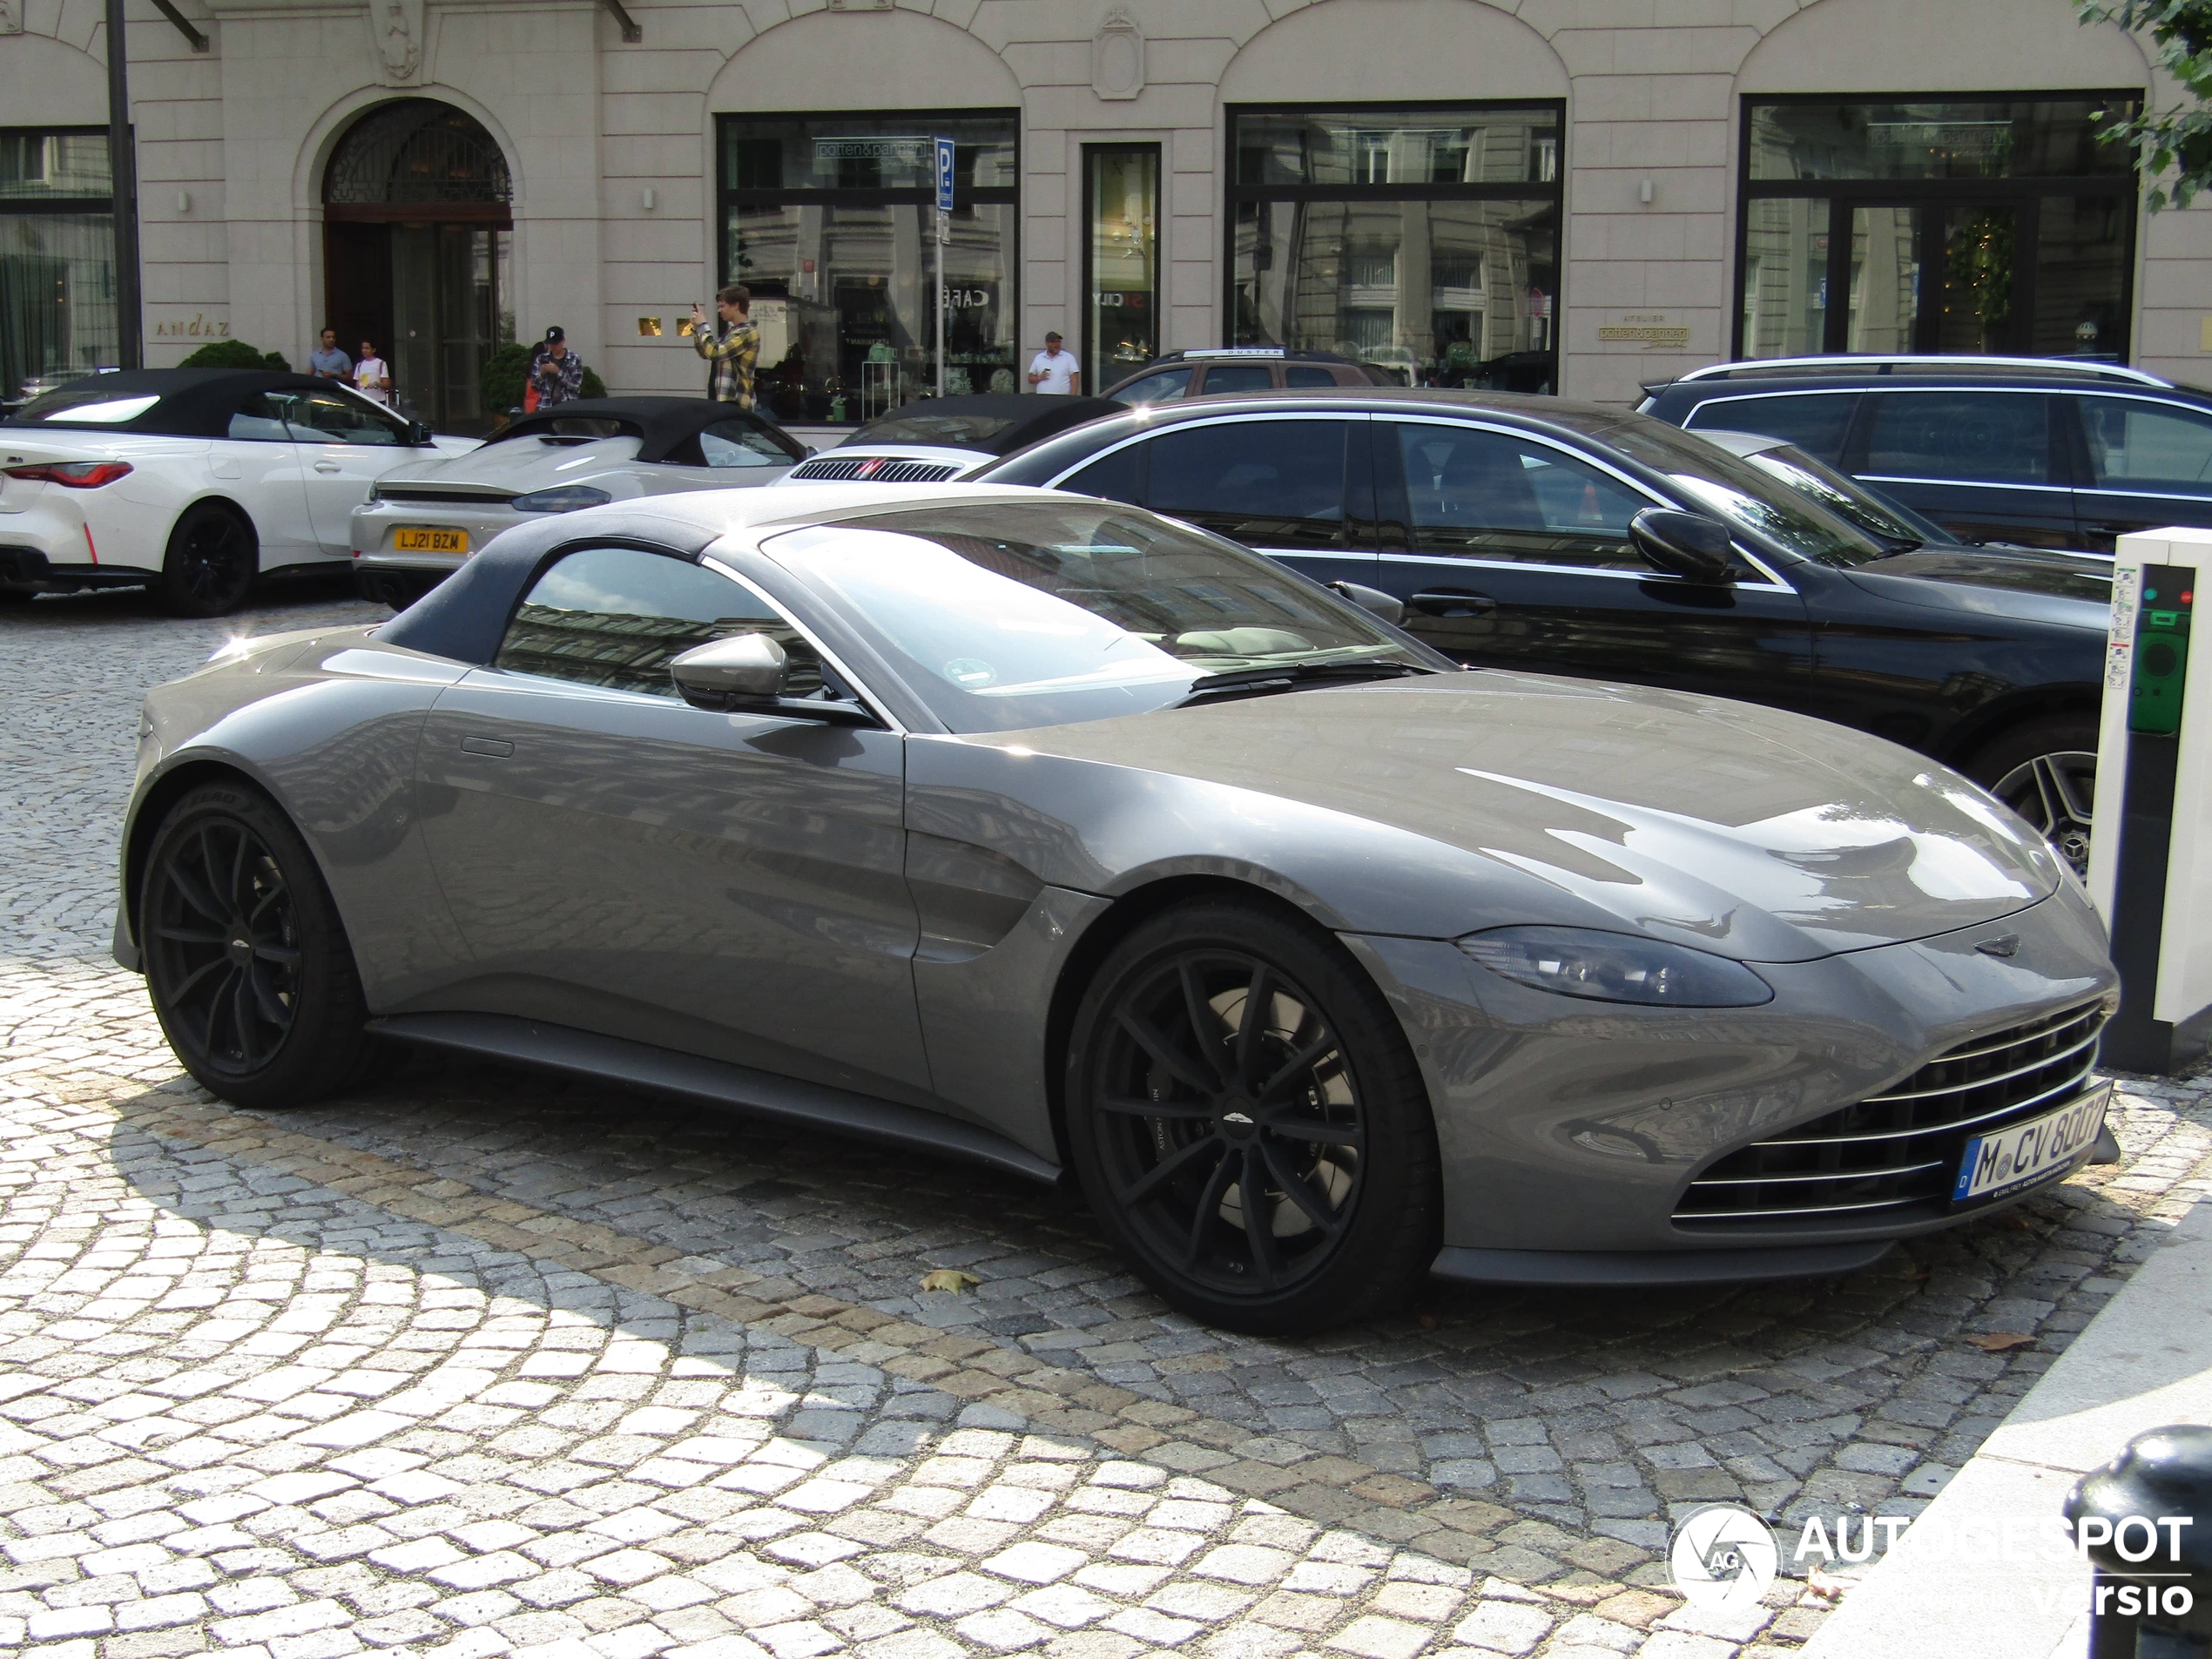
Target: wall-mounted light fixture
[(184, 201), (647, 198), (1644, 192)]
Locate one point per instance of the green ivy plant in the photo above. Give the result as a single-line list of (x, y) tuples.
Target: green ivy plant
[(2179, 140)]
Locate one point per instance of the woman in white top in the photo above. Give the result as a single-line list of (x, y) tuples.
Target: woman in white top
[(372, 376)]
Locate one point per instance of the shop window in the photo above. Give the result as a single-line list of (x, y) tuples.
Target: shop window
[(1121, 276), (1975, 225), (831, 221), (57, 301), (1421, 241)]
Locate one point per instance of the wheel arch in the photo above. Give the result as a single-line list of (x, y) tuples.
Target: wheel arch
[(1129, 911), (153, 808), (1991, 723)]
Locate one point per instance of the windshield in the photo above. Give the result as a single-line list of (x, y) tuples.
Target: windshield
[(1899, 531), (570, 429), (1007, 615), (1743, 495), (962, 431)]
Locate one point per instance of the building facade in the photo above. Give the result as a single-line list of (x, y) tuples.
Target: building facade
[(1567, 195)]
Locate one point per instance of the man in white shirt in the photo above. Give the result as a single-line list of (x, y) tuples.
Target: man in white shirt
[(372, 378), (1053, 371)]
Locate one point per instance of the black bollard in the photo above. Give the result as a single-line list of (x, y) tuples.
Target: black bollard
[(2154, 1583)]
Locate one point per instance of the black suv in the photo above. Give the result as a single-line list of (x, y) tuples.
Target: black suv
[(1533, 533), (2043, 453)]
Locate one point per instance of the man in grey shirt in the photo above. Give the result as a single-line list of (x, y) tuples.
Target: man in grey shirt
[(327, 362)]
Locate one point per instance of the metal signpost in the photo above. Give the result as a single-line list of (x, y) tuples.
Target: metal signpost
[(944, 156)]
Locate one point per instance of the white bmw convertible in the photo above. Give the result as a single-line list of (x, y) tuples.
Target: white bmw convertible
[(190, 481)]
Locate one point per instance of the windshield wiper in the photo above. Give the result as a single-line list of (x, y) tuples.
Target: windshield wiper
[(1288, 676)]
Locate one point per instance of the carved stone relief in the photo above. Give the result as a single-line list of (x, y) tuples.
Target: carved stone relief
[(10, 16), (397, 28), (1118, 57)]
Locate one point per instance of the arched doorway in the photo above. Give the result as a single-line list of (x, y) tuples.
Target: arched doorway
[(418, 221)]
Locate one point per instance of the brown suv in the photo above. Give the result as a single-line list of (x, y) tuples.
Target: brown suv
[(1239, 368)]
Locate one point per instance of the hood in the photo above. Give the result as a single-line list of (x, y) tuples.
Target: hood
[(2025, 582), (1745, 831), (516, 466)]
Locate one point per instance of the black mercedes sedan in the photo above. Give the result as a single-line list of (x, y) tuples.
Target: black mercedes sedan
[(1541, 534)]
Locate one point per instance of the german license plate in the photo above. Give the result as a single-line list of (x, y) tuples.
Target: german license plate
[(410, 538), (2020, 1156)]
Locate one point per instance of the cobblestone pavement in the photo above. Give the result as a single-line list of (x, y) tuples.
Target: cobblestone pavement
[(484, 1364)]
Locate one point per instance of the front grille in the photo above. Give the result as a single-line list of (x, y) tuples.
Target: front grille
[(875, 469), (1891, 1151), (445, 495)]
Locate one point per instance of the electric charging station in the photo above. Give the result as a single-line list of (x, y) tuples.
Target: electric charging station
[(2150, 853)]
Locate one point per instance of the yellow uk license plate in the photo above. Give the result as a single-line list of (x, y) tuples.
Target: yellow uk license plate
[(414, 539)]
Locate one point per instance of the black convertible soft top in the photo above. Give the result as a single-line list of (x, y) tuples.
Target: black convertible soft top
[(663, 425), (994, 423), (194, 402)]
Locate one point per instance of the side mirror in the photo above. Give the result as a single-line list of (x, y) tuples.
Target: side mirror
[(418, 433), (729, 673), (1371, 599), (810, 450), (1689, 545)]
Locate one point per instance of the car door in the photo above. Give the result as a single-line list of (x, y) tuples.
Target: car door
[(346, 444), (723, 884), (1987, 465), (1297, 487), (1512, 551), (256, 464), (2149, 466)]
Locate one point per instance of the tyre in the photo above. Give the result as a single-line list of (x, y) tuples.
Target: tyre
[(245, 959), (2045, 771), (1249, 1123), (212, 559)]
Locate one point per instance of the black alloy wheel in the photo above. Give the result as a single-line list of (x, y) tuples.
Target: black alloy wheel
[(249, 970), (1251, 1126), (2057, 794), (212, 559)]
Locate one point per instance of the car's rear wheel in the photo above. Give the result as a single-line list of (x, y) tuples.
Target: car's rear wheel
[(245, 958), (212, 558), (1249, 1123), (2047, 772)]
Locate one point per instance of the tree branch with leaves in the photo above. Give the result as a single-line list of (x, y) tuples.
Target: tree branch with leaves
[(2176, 141)]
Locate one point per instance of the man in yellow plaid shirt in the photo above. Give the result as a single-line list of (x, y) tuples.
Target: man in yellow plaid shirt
[(731, 349)]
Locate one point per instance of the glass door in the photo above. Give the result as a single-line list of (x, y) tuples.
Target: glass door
[(1121, 262)]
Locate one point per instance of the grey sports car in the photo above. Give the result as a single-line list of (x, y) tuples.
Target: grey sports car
[(1040, 830)]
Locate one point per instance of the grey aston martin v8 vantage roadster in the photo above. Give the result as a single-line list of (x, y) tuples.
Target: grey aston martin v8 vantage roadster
[(1039, 830)]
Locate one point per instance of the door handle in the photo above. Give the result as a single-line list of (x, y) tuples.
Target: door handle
[(1453, 603), (329, 466), (496, 747)]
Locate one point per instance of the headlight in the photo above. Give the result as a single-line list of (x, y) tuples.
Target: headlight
[(1616, 967), (562, 498)]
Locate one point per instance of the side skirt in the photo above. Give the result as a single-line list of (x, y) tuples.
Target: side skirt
[(715, 1082)]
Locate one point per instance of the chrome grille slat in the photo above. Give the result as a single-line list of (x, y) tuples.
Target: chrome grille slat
[(2073, 1085), (2089, 1041), (1820, 1175), (1911, 1135)]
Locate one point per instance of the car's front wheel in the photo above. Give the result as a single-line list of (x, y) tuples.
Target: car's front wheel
[(1249, 1122), (2047, 772), (212, 558), (247, 962)]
